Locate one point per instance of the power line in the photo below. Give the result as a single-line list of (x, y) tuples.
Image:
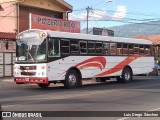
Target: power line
[(128, 13), (94, 17), (132, 13)]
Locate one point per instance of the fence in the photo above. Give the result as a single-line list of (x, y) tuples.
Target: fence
[(7, 60)]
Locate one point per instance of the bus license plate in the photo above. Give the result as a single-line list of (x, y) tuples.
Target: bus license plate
[(26, 79)]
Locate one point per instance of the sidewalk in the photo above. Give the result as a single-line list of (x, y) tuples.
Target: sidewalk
[(9, 79)]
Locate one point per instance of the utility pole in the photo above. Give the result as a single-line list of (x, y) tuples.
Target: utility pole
[(88, 10)]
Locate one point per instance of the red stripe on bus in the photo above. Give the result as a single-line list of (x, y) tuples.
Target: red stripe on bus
[(121, 65), (98, 65), (99, 62)]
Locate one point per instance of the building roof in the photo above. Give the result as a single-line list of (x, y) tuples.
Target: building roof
[(4, 35), (67, 6), (155, 39)]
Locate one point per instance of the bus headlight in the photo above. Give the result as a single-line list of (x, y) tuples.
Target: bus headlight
[(42, 67)]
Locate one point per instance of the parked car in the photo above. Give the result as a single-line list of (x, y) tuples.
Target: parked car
[(155, 71)]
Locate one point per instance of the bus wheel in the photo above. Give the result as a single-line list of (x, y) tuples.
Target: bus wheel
[(71, 80), (126, 76), (43, 85)]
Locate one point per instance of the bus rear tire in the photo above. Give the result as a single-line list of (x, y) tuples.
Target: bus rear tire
[(43, 85), (71, 80), (126, 76)]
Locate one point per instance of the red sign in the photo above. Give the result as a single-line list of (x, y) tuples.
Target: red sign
[(49, 23)]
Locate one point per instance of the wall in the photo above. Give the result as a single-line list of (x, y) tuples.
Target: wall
[(8, 19), (7, 45), (24, 15)]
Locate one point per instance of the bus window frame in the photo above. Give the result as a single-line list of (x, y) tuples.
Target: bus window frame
[(99, 42), (135, 48), (121, 49), (53, 38), (108, 52), (65, 39), (76, 52), (125, 48), (93, 48), (113, 53), (83, 41), (130, 49), (141, 49)]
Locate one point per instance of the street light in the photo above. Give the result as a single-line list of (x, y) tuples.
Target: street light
[(107, 1)]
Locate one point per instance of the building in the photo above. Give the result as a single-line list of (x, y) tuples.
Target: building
[(103, 31), (155, 39), (20, 15), (15, 13)]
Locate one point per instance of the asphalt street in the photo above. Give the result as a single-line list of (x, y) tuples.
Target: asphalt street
[(139, 96)]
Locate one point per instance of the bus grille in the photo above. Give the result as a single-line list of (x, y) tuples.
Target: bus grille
[(28, 67), (28, 73)]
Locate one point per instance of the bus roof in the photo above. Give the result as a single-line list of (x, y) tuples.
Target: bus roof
[(92, 37), (96, 37)]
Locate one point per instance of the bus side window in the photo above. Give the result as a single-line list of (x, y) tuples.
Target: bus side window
[(113, 48), (74, 46), (147, 50), (65, 46), (98, 48), (131, 50), (106, 48), (136, 49), (125, 49), (141, 49), (53, 47), (119, 49), (83, 47), (91, 48)]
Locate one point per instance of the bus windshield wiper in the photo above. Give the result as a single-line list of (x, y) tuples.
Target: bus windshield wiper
[(29, 54)]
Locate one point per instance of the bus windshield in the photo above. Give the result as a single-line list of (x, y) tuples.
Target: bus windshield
[(32, 50)]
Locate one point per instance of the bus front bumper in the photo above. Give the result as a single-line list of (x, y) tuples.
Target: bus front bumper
[(23, 80)]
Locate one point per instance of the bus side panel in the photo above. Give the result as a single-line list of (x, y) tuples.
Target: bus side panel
[(143, 65), (103, 66)]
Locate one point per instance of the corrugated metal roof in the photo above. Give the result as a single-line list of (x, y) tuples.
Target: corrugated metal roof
[(4, 35), (155, 39)]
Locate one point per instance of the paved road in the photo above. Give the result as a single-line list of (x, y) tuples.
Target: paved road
[(143, 94)]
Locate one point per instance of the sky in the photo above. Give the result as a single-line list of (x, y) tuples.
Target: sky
[(110, 13)]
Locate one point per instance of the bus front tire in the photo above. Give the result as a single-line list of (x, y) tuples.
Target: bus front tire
[(126, 76), (71, 80), (43, 85)]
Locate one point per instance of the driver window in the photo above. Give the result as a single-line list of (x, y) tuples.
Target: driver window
[(53, 47)]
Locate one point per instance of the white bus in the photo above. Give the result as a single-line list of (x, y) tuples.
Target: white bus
[(44, 57)]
